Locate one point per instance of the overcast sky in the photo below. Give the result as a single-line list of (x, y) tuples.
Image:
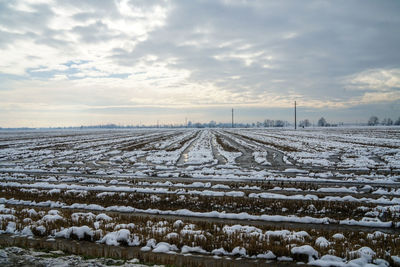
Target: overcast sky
[(85, 62)]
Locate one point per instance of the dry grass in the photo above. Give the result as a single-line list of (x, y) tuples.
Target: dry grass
[(335, 209), (210, 235)]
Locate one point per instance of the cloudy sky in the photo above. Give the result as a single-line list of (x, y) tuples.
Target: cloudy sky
[(86, 62)]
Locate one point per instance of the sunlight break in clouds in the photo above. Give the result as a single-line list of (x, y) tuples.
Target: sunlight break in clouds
[(87, 59)]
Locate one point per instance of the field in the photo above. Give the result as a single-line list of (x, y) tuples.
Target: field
[(320, 196)]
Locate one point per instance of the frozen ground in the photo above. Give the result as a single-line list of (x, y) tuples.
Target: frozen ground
[(15, 256), (230, 192)]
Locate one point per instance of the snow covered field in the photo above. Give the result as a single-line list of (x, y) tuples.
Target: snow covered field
[(323, 196)]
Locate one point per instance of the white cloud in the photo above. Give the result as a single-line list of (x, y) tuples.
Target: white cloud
[(376, 79), (128, 29)]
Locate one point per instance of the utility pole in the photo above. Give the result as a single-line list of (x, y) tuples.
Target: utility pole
[(232, 118), (295, 116)]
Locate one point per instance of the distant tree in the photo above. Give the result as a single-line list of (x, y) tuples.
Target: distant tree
[(304, 123), (373, 120), (322, 122), (279, 123), (387, 121), (397, 122), (270, 123), (198, 125), (212, 124)]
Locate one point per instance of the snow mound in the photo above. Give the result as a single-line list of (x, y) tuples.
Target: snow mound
[(305, 250), (268, 256), (328, 261), (338, 236), (119, 237), (322, 242), (186, 249), (164, 247), (103, 217), (80, 232)]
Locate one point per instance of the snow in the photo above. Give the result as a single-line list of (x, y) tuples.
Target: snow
[(338, 236), (172, 236), (295, 170), (219, 252), (85, 216), (100, 164), (305, 250), (186, 249), (364, 252), (79, 232), (338, 190), (328, 261), (31, 212), (122, 236), (103, 217), (238, 251), (27, 231), (164, 247), (268, 256), (368, 222), (322, 242), (11, 228), (284, 258), (11, 255), (201, 152), (178, 223), (220, 186), (52, 218)]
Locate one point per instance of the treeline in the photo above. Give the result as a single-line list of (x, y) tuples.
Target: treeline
[(267, 123), (374, 120)]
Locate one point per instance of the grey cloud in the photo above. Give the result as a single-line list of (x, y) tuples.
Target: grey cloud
[(335, 39), (23, 20), (95, 32), (102, 8)]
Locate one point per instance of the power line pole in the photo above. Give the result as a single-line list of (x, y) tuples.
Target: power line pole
[(295, 116), (232, 118)]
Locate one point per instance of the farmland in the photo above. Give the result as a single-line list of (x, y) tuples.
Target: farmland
[(319, 196)]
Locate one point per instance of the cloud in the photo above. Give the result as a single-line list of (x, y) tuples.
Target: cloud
[(198, 54), (376, 80)]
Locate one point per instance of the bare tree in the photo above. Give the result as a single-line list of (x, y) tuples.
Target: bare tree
[(373, 120), (304, 123), (387, 121), (322, 122), (269, 123), (279, 123), (397, 122)]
